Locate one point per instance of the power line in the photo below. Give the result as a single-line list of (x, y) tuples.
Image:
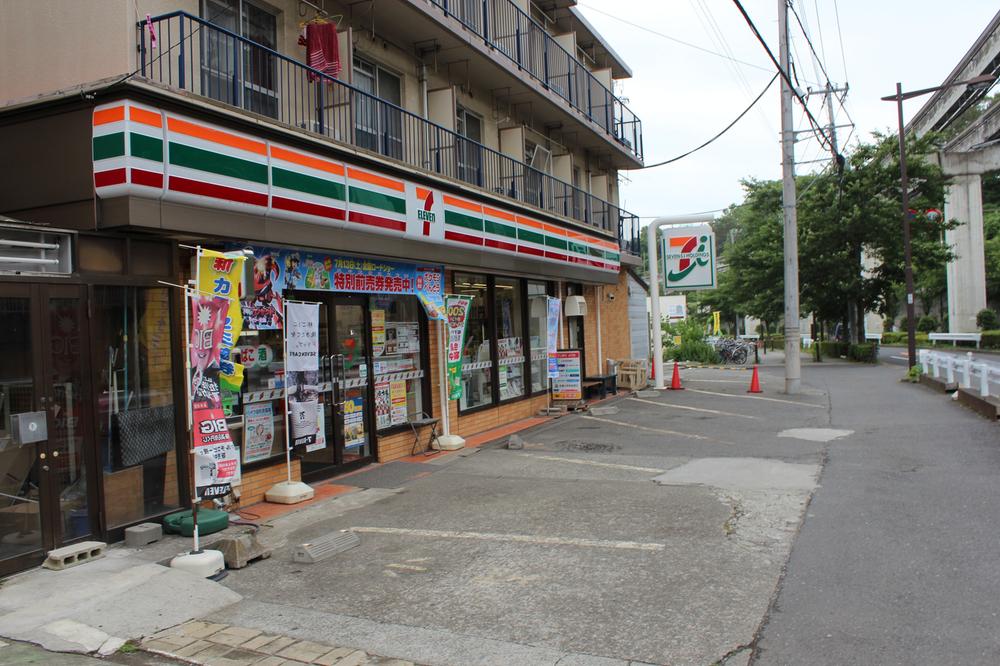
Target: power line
[(674, 39), (784, 75), (726, 129), (805, 33), (840, 37)]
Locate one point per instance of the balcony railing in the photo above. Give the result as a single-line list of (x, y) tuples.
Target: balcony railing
[(508, 29), (204, 59)]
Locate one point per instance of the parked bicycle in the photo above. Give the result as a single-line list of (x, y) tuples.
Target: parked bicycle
[(733, 351)]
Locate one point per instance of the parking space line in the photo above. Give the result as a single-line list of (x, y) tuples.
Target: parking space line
[(594, 463), (659, 430), (694, 409), (515, 538), (757, 397)]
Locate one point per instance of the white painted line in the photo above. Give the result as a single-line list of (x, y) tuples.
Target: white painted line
[(717, 381), (594, 463), (694, 409), (659, 430), (757, 397), (515, 538)]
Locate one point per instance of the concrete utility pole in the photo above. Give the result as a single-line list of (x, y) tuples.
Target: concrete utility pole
[(793, 365)]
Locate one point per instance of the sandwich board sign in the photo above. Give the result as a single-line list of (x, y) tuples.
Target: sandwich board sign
[(689, 258)]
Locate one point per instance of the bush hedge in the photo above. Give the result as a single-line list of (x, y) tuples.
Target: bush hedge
[(833, 349), (865, 353), (991, 340), (693, 350)]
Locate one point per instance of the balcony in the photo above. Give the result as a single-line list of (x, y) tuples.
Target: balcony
[(200, 58), (507, 28)]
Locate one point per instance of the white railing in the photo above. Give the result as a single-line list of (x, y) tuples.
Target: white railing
[(967, 370)]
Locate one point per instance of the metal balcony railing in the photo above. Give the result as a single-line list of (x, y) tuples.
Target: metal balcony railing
[(508, 29), (199, 57)]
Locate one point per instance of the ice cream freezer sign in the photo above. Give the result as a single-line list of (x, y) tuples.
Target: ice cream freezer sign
[(689, 258)]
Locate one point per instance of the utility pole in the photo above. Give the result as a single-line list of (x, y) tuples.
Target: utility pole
[(793, 365)]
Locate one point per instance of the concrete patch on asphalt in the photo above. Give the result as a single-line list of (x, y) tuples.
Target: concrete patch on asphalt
[(815, 434), (603, 411), (742, 474)]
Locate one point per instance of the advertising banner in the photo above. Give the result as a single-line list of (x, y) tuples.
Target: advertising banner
[(354, 423), (302, 378), (221, 275), (568, 385), (258, 431), (457, 309), (397, 401), (554, 313), (216, 462), (378, 332), (689, 258), (278, 269), (383, 405)]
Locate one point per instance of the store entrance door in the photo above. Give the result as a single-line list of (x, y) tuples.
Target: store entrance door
[(46, 461), (345, 327)]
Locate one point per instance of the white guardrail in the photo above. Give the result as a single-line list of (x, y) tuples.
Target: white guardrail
[(966, 370)]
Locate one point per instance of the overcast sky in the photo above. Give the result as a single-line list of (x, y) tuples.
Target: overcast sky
[(684, 96)]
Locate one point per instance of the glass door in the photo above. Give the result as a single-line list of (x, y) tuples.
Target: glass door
[(350, 334), (46, 497)]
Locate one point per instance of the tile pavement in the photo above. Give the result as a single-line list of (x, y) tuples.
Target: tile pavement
[(214, 644)]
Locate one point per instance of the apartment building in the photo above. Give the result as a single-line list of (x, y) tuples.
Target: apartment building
[(456, 146)]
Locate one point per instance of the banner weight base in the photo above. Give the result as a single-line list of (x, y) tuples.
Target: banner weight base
[(289, 492), (202, 563), (448, 443)]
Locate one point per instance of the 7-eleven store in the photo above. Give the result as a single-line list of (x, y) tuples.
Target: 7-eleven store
[(143, 178)]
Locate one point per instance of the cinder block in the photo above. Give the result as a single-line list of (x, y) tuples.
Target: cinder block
[(143, 534), (70, 556)]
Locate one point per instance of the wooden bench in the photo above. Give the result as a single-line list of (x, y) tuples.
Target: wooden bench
[(955, 337)]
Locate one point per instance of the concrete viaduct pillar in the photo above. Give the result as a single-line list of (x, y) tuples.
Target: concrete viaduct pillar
[(967, 271)]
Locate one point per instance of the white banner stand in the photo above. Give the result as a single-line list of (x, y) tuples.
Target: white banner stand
[(446, 441)]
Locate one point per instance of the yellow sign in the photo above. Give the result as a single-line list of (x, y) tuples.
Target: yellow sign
[(716, 323), (221, 275), (678, 340)]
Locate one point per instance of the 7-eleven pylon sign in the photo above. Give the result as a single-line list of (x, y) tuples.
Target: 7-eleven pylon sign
[(689, 258)]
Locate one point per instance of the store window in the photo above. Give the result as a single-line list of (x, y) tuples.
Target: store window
[(135, 402), (477, 357), (397, 360), (510, 344), (256, 414), (537, 334)]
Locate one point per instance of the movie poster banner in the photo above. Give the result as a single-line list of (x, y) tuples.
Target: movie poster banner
[(278, 269), (457, 311), (302, 377), (216, 461)]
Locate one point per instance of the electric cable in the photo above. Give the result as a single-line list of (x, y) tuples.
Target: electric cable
[(725, 129), (784, 75), (805, 33)]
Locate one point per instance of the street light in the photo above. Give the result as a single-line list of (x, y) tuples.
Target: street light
[(911, 328)]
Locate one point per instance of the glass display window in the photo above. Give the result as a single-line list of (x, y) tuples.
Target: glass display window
[(477, 354), (537, 332), (508, 309), (397, 333), (256, 413)]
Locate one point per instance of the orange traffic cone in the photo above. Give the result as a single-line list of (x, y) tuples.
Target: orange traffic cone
[(675, 382), (755, 382)]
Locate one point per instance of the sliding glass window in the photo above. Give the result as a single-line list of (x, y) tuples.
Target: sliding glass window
[(477, 357)]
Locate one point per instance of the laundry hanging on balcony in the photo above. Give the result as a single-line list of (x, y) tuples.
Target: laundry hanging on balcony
[(322, 50)]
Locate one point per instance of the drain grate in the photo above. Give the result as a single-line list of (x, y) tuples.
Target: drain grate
[(324, 547)]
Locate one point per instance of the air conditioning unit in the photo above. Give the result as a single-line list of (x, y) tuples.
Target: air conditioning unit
[(576, 306)]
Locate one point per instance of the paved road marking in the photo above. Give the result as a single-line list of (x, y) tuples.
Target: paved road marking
[(594, 463), (717, 381), (757, 397), (516, 538), (694, 409), (659, 430)]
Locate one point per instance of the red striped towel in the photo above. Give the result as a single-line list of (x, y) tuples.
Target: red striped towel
[(322, 51)]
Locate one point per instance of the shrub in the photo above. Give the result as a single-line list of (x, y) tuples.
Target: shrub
[(987, 319), (893, 337), (693, 350), (991, 339), (927, 324), (866, 353), (833, 349)]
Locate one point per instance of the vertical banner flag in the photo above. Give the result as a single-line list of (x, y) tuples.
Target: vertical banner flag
[(220, 275), (553, 314), (716, 322), (302, 378), (216, 463), (689, 258), (457, 310)]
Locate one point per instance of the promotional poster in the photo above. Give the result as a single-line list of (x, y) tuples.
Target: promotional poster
[(457, 310), (302, 376)]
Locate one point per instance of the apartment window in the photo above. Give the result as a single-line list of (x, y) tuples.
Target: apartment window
[(378, 126), (234, 71), (469, 149), (540, 160)]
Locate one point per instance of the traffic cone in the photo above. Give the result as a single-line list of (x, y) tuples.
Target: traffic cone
[(755, 382), (675, 382)]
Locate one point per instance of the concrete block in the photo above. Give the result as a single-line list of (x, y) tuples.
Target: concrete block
[(143, 534), (515, 443), (70, 556), (241, 549)]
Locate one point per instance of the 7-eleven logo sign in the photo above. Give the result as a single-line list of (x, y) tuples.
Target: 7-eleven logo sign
[(689, 258)]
